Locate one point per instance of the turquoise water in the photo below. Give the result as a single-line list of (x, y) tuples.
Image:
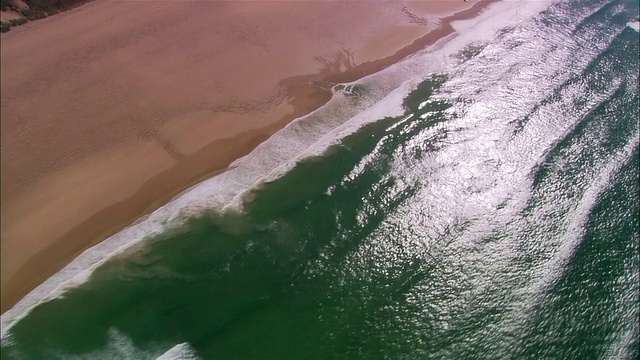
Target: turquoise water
[(498, 218)]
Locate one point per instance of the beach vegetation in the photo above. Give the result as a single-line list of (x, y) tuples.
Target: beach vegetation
[(53, 6), (8, 5), (34, 10), (17, 21)]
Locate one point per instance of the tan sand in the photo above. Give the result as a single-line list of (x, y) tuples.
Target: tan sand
[(111, 109)]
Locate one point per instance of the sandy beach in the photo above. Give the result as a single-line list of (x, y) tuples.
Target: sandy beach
[(111, 109)]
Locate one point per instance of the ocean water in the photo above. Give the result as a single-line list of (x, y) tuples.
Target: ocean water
[(476, 201)]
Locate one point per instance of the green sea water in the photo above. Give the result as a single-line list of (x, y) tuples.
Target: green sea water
[(497, 219)]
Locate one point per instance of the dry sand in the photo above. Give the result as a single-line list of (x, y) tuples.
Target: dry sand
[(110, 109)]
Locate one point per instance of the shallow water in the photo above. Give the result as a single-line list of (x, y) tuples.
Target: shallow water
[(496, 218)]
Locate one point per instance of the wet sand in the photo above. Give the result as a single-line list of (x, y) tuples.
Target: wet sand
[(111, 109)]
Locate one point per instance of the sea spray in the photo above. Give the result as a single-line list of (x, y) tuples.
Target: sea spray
[(179, 352)]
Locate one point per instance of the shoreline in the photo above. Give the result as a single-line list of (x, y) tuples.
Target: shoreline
[(180, 171)]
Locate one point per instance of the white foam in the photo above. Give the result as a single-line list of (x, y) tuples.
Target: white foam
[(577, 225), (118, 346), (307, 137), (635, 25), (179, 352)]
